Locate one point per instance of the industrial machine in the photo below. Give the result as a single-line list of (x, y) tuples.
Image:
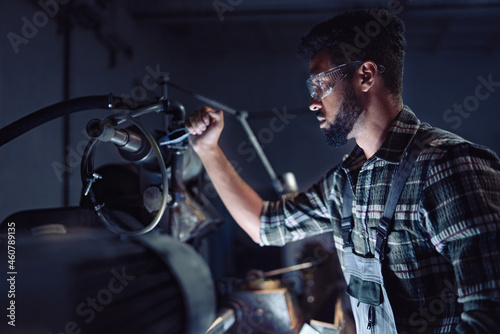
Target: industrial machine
[(126, 260)]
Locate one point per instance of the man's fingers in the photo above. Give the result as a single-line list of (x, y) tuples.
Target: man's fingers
[(215, 114), (201, 120), (206, 119), (208, 114), (191, 127), (195, 125)]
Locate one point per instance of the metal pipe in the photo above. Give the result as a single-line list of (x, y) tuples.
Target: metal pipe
[(66, 138), (290, 269), (278, 187), (242, 118), (106, 132), (208, 101), (44, 115)]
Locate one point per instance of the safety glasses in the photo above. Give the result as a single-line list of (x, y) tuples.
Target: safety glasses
[(322, 84)]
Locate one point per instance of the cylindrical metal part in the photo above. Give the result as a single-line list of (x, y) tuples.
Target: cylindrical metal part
[(120, 138), (100, 130), (105, 131), (127, 140), (289, 183)]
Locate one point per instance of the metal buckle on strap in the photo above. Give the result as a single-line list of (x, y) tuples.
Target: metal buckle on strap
[(346, 229), (382, 233)]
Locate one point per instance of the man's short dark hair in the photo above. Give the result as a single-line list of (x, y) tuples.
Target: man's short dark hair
[(368, 34)]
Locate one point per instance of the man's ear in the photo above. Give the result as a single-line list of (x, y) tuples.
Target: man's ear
[(365, 75)]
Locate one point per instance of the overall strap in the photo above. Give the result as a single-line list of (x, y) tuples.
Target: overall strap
[(385, 223), (347, 222)]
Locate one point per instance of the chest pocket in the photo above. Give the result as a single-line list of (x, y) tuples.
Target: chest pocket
[(365, 291)]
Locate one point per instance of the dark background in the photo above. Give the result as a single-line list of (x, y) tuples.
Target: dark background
[(239, 52)]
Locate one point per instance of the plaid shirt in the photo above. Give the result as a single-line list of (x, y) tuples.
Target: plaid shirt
[(442, 270)]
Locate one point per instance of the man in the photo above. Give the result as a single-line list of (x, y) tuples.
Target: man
[(432, 265)]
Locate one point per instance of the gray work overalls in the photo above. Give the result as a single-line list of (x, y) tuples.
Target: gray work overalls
[(370, 303)]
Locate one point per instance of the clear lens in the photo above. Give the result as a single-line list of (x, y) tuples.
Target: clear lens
[(322, 84)]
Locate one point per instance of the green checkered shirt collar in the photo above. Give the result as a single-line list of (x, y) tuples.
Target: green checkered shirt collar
[(399, 136)]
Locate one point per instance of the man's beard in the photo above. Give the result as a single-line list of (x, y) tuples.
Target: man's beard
[(351, 108)]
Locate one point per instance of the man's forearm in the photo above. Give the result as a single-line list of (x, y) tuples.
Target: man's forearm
[(242, 202)]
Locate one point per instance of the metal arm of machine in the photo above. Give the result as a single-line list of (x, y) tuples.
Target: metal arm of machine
[(49, 113), (242, 116)]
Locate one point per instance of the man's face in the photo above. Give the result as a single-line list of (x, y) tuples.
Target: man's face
[(340, 110)]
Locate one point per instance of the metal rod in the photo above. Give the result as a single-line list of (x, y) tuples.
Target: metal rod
[(278, 187), (208, 101), (242, 118), (225, 319), (66, 27), (291, 268)]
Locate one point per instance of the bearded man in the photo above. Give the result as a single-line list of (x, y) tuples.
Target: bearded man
[(413, 210)]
